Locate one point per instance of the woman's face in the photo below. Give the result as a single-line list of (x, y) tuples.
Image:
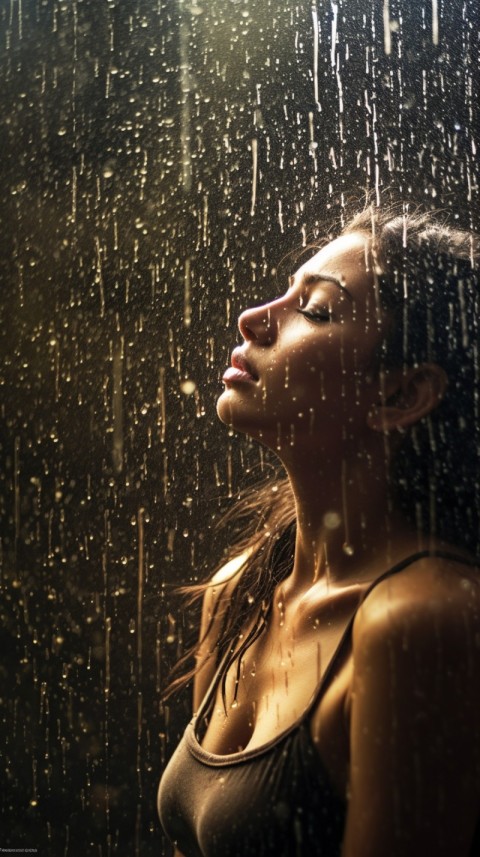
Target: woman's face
[(307, 354)]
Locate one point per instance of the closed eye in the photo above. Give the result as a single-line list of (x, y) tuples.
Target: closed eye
[(316, 315)]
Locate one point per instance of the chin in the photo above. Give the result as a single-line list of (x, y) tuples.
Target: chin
[(251, 417), (224, 410), (234, 415)]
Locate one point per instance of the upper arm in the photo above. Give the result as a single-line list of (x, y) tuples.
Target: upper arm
[(415, 724), (215, 602)]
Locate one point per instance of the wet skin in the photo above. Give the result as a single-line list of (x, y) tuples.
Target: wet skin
[(310, 349), (313, 398)]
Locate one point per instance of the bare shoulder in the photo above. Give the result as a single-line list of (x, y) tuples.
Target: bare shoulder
[(414, 720), (215, 601), (422, 625), (431, 592), (219, 591)]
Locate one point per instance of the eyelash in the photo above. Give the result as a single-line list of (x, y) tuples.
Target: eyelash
[(321, 315)]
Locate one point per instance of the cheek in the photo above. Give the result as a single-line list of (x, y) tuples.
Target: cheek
[(297, 376)]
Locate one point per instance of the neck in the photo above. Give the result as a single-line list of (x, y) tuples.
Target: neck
[(346, 524)]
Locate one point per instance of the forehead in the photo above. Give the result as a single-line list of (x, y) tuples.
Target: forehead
[(346, 258)]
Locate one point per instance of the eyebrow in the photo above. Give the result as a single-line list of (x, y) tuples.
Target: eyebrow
[(328, 278)]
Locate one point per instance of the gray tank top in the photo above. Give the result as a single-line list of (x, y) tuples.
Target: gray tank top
[(275, 800)]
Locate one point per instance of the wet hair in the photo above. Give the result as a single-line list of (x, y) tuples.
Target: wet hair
[(426, 274), (428, 282)]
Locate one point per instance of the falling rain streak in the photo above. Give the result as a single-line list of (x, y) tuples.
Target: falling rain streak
[(187, 306), (316, 36), (435, 22), (387, 33), (186, 83), (334, 33), (160, 164), (117, 405), (254, 174)]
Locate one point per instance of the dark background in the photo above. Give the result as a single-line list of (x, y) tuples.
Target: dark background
[(130, 240)]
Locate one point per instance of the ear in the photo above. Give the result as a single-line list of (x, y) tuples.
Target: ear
[(407, 396)]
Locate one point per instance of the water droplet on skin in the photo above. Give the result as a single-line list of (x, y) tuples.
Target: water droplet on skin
[(332, 520)]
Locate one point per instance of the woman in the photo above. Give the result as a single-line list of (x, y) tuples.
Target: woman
[(337, 686)]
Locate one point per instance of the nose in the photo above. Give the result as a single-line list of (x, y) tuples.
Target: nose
[(258, 324)]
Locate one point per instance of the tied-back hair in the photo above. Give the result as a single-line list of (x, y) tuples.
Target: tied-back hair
[(426, 278)]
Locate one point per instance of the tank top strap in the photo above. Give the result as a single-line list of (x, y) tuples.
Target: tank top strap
[(400, 566), (207, 702)]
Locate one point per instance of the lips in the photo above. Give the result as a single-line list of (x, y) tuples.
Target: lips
[(240, 370), (240, 362)]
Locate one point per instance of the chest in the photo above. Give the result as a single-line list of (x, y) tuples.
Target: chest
[(282, 676)]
